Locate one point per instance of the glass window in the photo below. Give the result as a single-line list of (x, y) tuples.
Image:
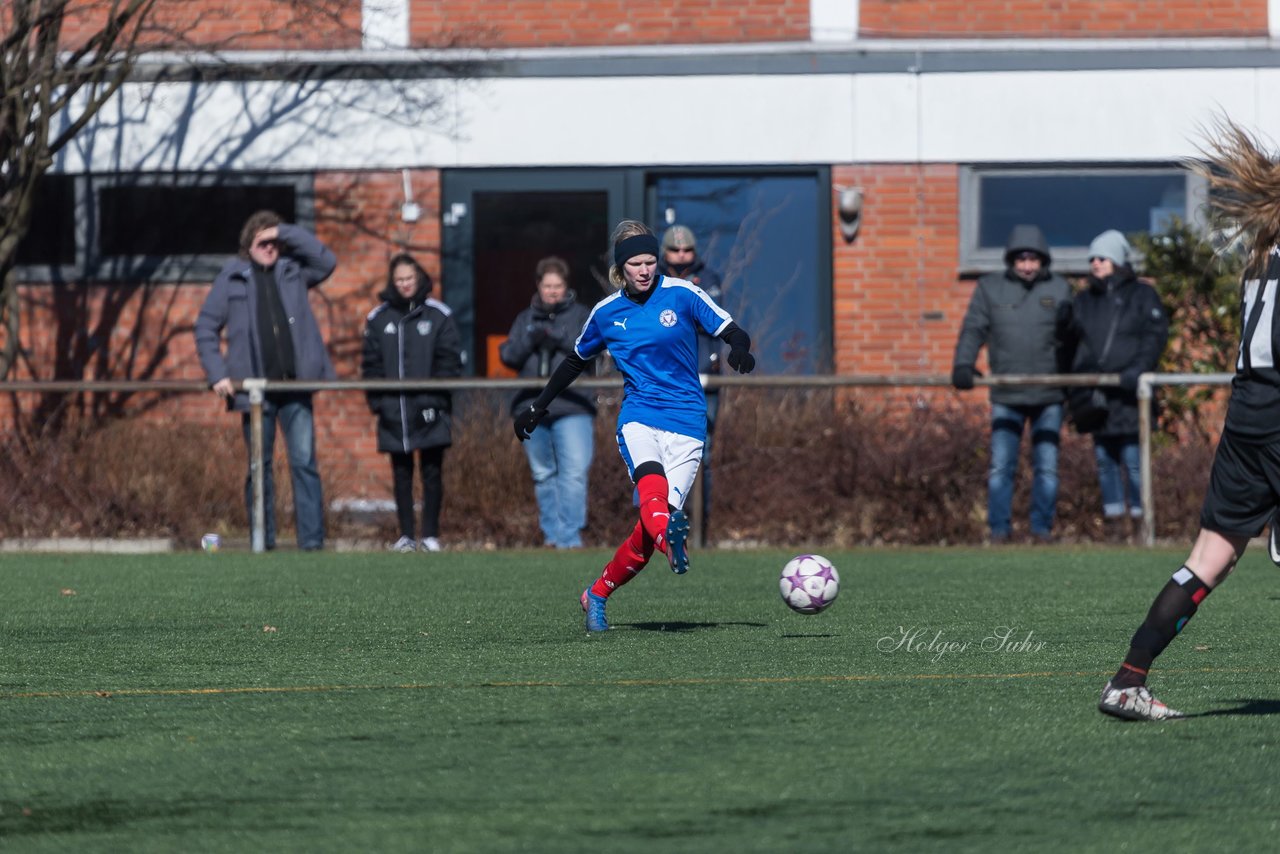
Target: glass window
[(155, 220), (51, 237), (763, 234), (1071, 206)]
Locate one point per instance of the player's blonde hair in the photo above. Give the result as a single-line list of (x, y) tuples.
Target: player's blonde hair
[(1244, 183), (626, 228)]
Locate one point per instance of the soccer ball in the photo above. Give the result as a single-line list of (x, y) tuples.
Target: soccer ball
[(211, 543), (809, 583)]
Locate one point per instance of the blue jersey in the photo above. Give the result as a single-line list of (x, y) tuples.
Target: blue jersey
[(655, 346)]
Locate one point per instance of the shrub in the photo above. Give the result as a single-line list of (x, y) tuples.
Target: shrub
[(792, 468)]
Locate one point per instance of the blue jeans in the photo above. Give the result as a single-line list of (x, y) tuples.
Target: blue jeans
[(293, 412), (559, 455), (1007, 423), (1119, 464)]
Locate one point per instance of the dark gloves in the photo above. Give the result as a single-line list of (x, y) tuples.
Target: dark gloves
[(527, 421), (538, 335), (1064, 318), (741, 360), (1129, 379), (962, 377)]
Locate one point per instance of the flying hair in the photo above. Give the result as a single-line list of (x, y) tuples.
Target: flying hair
[(1244, 184)]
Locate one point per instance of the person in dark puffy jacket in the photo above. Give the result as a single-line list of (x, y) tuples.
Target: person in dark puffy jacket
[(412, 336), (680, 260), (1012, 313), (1116, 325), (560, 449)]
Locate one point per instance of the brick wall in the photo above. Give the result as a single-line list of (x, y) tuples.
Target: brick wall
[(234, 24), (898, 298), (85, 331), (1061, 18), (546, 23)]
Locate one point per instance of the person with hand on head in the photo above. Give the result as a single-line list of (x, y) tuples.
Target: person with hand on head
[(651, 327), (409, 336), (680, 260), (260, 301), (1013, 314), (1116, 325), (560, 449)]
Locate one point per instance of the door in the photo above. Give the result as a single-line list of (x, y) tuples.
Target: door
[(768, 235), (498, 223)]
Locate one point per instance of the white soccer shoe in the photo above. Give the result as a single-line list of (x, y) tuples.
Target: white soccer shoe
[(431, 544), (1273, 547), (404, 544), (1134, 704)]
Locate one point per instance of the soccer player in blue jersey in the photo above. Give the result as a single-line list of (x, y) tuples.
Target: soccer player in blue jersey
[(650, 326)]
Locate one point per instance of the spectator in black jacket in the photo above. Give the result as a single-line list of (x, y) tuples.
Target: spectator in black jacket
[(1117, 324), (1012, 313), (560, 449), (680, 260), (412, 336)]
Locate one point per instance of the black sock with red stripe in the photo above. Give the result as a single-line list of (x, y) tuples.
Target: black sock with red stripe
[(1173, 607)]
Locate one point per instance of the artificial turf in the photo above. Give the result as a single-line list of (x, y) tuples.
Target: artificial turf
[(453, 702)]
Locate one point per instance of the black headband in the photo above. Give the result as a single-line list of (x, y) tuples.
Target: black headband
[(639, 244)]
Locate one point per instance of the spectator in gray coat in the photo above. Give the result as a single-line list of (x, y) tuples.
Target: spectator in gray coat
[(560, 449), (1013, 314), (260, 301)]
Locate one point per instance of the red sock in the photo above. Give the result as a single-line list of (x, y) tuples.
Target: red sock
[(628, 560), (654, 511)]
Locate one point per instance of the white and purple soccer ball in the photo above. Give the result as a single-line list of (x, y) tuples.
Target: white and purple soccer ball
[(809, 584)]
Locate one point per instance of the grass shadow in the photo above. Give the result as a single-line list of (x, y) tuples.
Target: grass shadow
[(1246, 707), (684, 627)]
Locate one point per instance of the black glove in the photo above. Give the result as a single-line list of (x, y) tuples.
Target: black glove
[(1064, 317), (1129, 379), (538, 334), (741, 360), (962, 377), (527, 421)]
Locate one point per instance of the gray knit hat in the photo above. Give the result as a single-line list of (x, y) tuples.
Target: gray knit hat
[(678, 236), (1112, 246)]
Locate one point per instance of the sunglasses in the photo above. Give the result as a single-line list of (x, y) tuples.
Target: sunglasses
[(679, 248), (267, 244)]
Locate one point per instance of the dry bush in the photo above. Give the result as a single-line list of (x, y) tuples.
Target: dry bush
[(794, 469)]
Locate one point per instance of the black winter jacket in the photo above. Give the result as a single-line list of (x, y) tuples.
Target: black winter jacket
[(1141, 333), (534, 354), (405, 340)]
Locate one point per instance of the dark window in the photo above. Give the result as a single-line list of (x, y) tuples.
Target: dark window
[(760, 232), (51, 238), (159, 221), (1070, 205)]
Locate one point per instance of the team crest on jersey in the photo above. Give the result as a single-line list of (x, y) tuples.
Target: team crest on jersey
[(667, 318), (424, 327), (390, 328)]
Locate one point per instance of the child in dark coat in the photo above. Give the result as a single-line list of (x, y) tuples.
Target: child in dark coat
[(412, 336)]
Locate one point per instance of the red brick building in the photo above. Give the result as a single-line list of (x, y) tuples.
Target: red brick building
[(520, 128)]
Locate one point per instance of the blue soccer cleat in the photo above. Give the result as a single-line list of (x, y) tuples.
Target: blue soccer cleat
[(594, 606), (677, 542)]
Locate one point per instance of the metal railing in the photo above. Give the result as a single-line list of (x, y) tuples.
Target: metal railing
[(257, 390)]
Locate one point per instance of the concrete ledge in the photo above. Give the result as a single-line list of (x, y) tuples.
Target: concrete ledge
[(78, 544)]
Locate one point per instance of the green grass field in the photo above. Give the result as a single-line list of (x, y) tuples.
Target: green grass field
[(453, 703)]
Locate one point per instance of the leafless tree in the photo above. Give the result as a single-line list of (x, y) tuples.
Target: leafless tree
[(64, 61)]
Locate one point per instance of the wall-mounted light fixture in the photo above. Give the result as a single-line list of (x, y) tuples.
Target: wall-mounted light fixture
[(849, 209)]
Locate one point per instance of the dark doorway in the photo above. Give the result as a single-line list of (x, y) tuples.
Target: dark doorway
[(500, 222)]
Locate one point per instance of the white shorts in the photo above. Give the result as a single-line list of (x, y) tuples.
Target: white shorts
[(678, 454)]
